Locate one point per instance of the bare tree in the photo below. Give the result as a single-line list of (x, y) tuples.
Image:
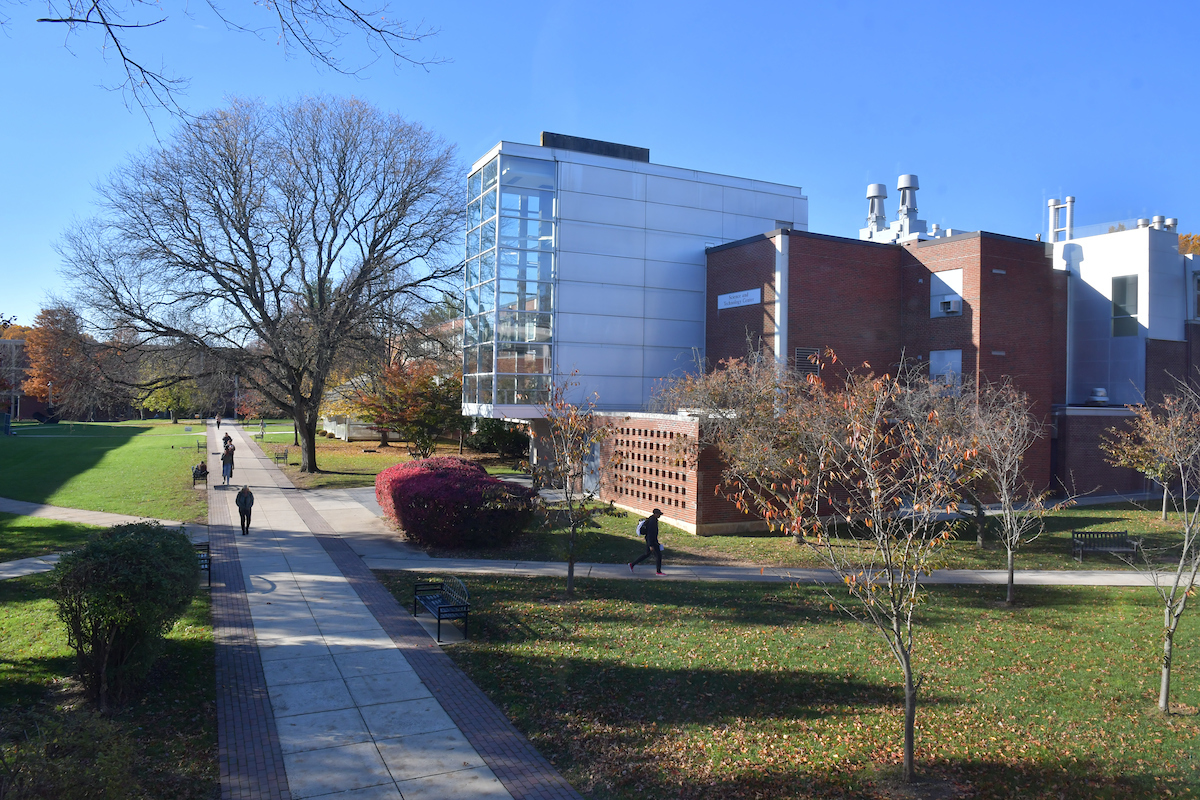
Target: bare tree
[(880, 456), (1167, 433), (270, 242), (1004, 429), (573, 442), (318, 29)]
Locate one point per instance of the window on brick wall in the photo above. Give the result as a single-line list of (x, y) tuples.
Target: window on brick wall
[(1124, 305), (806, 363)]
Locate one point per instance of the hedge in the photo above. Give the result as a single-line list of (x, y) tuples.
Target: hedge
[(449, 501)]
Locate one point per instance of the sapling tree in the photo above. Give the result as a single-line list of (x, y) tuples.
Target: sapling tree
[(880, 457), (571, 442), (1004, 429), (1167, 433)]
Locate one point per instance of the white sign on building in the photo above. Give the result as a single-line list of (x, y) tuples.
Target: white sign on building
[(749, 297)]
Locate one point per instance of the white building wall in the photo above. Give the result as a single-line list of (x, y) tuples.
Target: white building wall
[(1096, 358), (630, 282)]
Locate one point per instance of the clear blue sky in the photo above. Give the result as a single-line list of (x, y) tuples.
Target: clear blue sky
[(996, 106)]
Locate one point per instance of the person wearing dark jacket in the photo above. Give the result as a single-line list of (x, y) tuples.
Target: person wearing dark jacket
[(245, 502), (649, 529)]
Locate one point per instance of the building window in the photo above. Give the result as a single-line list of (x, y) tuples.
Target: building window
[(1125, 306), (946, 366), (945, 293)]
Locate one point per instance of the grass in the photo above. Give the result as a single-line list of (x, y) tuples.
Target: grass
[(139, 468), (348, 465), (686, 690), (613, 541), (22, 537), (162, 745)]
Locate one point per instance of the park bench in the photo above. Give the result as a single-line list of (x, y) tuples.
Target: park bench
[(200, 444), (204, 558), (199, 472), (1102, 542), (281, 456), (444, 599)]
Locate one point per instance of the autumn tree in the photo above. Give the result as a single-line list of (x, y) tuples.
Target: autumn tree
[(66, 366), (415, 402), (876, 459), (1163, 441), (1189, 243), (270, 242), (569, 463)]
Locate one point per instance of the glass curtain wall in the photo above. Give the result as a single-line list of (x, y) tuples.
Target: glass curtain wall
[(508, 332)]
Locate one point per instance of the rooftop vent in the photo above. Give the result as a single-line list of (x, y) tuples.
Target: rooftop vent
[(595, 147)]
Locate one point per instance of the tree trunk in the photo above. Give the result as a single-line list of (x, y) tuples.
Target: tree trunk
[(383, 436), (1164, 691), (1012, 591), (295, 434), (571, 563), (910, 718), (460, 441), (308, 440), (980, 522), (174, 418), (142, 411), (1164, 510)]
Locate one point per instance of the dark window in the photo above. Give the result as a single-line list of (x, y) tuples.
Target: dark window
[(1124, 306)]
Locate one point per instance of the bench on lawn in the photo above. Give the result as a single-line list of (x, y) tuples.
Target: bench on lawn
[(199, 472), (445, 599), (1102, 542), (202, 555), (281, 456), (200, 445)]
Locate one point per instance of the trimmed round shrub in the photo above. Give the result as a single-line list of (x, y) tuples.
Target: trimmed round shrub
[(119, 595), (448, 501)]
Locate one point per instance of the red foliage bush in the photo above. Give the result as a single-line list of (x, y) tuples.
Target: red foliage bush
[(448, 501)]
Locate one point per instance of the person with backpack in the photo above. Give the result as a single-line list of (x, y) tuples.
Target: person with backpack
[(649, 529)]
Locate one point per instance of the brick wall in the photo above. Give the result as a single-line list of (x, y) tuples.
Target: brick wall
[(647, 466), (1081, 463), (1166, 363), (748, 264)]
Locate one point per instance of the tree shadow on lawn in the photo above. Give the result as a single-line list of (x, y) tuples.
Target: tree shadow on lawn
[(33, 467)]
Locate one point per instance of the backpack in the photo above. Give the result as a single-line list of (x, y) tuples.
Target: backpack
[(640, 532)]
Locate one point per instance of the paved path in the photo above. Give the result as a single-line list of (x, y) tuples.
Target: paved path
[(327, 687), (99, 518)]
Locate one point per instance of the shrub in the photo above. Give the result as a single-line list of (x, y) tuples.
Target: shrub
[(508, 439), (119, 595), (450, 501)]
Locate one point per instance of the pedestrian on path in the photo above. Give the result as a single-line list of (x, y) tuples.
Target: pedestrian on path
[(227, 440), (219, 423), (245, 502), (649, 528), (227, 464)]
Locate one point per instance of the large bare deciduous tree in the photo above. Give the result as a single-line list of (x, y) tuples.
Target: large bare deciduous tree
[(877, 459), (1163, 442), (318, 28), (272, 242)]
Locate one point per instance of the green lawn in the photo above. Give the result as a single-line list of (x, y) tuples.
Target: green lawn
[(22, 537), (613, 541), (685, 690), (141, 468), (163, 745)]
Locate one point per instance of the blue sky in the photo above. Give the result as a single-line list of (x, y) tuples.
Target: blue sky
[(997, 106)]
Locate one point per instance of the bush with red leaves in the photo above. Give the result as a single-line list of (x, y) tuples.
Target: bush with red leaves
[(448, 501)]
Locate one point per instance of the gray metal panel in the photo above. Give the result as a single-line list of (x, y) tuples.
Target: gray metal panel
[(670, 304), (598, 209), (602, 299), (590, 328), (674, 333), (599, 359), (678, 247), (678, 219), (672, 275), (609, 240)]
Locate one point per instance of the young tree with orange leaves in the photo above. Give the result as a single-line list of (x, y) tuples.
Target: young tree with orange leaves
[(879, 459), (1163, 442), (415, 402), (65, 365)]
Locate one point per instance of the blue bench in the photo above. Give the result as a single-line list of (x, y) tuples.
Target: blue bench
[(445, 599)]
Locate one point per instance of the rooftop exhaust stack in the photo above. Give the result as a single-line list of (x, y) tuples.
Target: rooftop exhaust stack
[(1172, 224), (876, 216), (1062, 219), (907, 186)]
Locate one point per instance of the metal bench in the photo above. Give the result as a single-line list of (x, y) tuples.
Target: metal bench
[(281, 456), (446, 599), (1102, 542), (202, 555), (200, 443), (199, 474)]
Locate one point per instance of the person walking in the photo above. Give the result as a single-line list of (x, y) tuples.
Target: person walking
[(227, 464), (219, 421), (245, 502), (649, 528)]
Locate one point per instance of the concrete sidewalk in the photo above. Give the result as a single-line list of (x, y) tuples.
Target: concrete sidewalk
[(350, 714), (102, 519)]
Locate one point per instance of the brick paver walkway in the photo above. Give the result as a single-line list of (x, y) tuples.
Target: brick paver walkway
[(251, 759)]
